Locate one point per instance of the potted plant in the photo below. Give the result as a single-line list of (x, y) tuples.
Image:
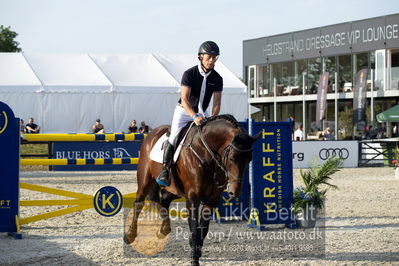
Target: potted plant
[(395, 161), (312, 195)]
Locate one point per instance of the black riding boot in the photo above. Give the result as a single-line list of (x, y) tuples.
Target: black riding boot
[(163, 177)]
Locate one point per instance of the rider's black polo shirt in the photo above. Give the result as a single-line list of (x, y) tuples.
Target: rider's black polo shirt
[(192, 78)]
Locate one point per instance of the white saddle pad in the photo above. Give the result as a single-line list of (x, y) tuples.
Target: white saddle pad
[(156, 153)]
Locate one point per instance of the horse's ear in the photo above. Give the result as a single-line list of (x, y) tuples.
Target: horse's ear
[(257, 136)]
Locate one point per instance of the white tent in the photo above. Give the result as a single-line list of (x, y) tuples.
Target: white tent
[(66, 93)]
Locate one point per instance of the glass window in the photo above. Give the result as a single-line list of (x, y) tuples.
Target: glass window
[(256, 112), (260, 86), (372, 67), (251, 81), (277, 74), (287, 110), (288, 77), (330, 116), (330, 66), (360, 62), (314, 72), (298, 115), (345, 73), (267, 81), (394, 66), (379, 70), (345, 114), (311, 129), (268, 112), (300, 67)]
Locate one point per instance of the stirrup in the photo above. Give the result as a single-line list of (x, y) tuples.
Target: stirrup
[(162, 183), (161, 179)]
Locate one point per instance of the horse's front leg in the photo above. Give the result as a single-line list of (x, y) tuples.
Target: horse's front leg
[(205, 217), (131, 232), (166, 200), (193, 222), (142, 191)]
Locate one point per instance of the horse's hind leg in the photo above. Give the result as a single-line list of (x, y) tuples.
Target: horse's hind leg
[(144, 184)]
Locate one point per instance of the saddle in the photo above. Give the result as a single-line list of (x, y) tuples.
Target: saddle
[(156, 153)]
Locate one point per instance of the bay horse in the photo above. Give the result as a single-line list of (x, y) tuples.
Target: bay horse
[(213, 156)]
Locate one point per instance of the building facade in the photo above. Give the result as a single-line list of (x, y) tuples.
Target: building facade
[(282, 73)]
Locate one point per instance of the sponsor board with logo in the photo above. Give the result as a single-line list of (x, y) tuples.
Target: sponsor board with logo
[(304, 152), (9, 170), (95, 150), (272, 176)]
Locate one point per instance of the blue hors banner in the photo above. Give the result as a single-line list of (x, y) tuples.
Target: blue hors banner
[(272, 180), (9, 167), (95, 150)]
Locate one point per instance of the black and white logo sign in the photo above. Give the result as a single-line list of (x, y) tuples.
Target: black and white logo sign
[(341, 153)]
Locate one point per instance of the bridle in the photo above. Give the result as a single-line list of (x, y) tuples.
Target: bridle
[(222, 164)]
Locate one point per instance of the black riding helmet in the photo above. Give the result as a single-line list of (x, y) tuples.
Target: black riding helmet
[(209, 47)]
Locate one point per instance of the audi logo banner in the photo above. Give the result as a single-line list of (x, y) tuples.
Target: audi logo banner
[(304, 152), (327, 153)]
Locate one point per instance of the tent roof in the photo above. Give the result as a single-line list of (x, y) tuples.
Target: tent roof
[(142, 73), (390, 115), (60, 72), (135, 71), (16, 74)]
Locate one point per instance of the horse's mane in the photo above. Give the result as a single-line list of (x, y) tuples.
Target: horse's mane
[(227, 117)]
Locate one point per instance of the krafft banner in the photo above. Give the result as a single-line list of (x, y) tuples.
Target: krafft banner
[(272, 176), (359, 99), (321, 105)]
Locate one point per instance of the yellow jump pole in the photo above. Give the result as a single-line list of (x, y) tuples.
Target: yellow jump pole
[(83, 137), (111, 161)]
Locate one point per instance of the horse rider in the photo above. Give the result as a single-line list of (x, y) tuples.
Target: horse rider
[(199, 83)]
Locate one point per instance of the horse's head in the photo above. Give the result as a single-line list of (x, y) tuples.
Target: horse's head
[(229, 141), (237, 156)]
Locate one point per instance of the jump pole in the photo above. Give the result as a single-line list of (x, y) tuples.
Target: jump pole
[(83, 137), (111, 161)]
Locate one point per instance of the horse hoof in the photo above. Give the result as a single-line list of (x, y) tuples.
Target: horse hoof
[(161, 235), (128, 240), (195, 263)]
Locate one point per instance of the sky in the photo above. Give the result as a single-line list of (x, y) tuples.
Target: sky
[(171, 26)]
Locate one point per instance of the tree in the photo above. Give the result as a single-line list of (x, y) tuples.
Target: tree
[(7, 43)]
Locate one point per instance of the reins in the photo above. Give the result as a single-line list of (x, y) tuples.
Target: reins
[(222, 164)]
